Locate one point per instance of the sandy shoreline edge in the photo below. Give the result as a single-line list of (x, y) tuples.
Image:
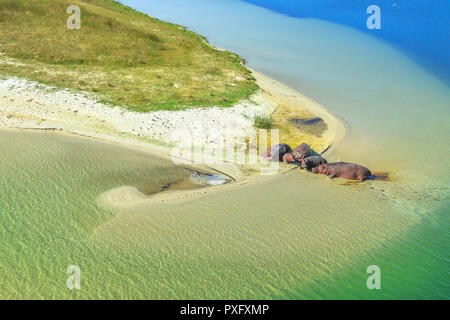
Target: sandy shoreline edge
[(25, 105)]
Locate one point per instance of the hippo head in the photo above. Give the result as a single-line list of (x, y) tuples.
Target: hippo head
[(288, 158), (319, 169)]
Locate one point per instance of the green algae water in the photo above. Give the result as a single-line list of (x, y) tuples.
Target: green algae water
[(48, 207), (227, 245)]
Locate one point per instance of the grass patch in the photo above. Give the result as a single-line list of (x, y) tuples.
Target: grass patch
[(125, 57), (263, 122)]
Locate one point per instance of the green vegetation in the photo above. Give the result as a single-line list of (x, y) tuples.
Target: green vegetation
[(263, 122), (126, 57)]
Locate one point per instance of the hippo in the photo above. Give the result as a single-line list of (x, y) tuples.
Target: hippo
[(344, 170), (302, 151), (277, 151), (288, 158), (312, 162)]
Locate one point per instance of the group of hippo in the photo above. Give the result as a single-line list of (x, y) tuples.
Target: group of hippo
[(315, 163)]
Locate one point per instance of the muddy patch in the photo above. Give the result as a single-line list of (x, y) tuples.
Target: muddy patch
[(383, 176), (202, 179), (314, 126), (195, 181)]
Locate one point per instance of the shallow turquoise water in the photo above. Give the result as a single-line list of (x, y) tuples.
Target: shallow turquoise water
[(397, 116)]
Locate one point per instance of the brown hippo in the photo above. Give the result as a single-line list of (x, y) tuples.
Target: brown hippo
[(344, 170), (288, 158), (302, 151), (312, 162), (277, 151)]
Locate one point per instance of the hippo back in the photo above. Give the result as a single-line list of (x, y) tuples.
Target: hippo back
[(277, 151), (313, 162), (302, 151)]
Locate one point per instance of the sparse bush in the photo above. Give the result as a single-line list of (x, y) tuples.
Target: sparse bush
[(263, 122)]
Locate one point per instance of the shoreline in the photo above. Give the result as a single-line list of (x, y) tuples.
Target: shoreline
[(31, 108)]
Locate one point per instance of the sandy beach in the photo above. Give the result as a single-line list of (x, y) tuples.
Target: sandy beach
[(27, 105)]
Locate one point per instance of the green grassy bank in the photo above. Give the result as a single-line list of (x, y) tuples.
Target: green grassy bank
[(125, 57)]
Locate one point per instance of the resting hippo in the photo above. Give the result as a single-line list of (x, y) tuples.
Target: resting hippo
[(312, 162), (277, 151), (288, 158), (301, 152), (344, 170)]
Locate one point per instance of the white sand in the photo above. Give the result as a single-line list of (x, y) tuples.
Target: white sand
[(27, 104)]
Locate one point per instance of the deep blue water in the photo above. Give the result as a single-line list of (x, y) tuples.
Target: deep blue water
[(419, 28)]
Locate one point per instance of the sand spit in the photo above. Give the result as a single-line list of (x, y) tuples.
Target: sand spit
[(129, 197), (28, 105)]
